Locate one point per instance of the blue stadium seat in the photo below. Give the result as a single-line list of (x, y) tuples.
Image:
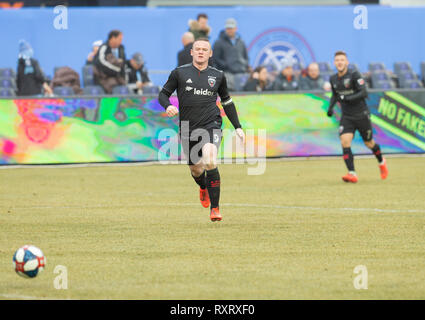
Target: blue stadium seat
[(121, 90), (151, 89), (353, 67), (7, 73), (63, 91), (377, 76), (93, 91), (403, 66), (404, 76), (7, 83), (376, 66), (88, 75), (413, 84), (423, 71), (325, 67), (326, 76), (7, 92), (240, 80), (383, 84)]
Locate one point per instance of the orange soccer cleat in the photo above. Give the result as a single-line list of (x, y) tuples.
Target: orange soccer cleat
[(384, 169), (204, 197), (349, 177), (215, 215)]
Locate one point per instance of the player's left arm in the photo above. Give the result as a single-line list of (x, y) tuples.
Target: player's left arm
[(359, 86), (230, 108)]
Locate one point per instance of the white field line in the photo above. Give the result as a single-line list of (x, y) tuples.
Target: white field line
[(242, 205), (23, 297), (250, 161)]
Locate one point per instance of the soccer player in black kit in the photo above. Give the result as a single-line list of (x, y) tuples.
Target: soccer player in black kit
[(197, 86), (349, 89)]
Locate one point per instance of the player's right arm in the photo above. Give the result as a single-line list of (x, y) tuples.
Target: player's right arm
[(334, 100), (166, 92)]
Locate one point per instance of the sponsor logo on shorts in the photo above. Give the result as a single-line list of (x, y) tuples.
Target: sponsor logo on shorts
[(341, 129)]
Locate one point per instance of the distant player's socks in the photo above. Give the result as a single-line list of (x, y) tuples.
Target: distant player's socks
[(348, 157), (377, 152), (213, 186), (350, 177), (383, 168), (201, 181), (215, 215)]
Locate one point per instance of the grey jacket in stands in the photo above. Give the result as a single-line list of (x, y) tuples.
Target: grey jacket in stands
[(230, 57)]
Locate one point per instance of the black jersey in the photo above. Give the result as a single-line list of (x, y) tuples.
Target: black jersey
[(350, 91), (197, 94)]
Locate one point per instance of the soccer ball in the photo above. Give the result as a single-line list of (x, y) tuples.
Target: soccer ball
[(29, 261)]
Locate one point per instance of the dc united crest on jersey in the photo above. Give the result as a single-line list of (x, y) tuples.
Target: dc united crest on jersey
[(211, 81)]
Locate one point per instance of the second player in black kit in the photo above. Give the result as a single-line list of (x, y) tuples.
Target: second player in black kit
[(198, 86), (349, 89)]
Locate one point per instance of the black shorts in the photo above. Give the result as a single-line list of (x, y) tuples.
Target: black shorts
[(363, 125), (192, 144)]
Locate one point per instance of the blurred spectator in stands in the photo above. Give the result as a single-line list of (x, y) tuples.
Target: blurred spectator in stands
[(200, 27), (230, 53), (258, 81), (312, 80), (286, 80), (109, 62), (30, 79), (136, 72), (184, 56), (92, 54), (67, 77)]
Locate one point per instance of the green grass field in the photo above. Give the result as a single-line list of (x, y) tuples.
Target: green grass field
[(295, 232)]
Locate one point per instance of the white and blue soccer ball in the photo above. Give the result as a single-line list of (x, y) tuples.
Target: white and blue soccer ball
[(29, 261)]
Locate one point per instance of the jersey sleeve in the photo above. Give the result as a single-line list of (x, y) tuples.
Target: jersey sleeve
[(167, 90), (227, 103)]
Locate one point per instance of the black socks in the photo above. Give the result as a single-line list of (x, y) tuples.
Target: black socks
[(348, 158), (201, 180), (377, 152), (213, 186)]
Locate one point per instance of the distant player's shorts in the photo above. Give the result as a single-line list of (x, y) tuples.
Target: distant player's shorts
[(192, 144), (363, 125)]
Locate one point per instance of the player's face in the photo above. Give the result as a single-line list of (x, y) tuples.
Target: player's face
[(203, 22), (201, 52), (341, 62)]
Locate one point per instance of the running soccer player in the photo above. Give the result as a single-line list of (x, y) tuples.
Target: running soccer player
[(197, 86), (349, 89)]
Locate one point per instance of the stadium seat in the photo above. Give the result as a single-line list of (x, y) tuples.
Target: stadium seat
[(7, 92), (151, 89), (400, 67), (7, 83), (120, 90), (326, 76), (353, 67), (93, 91), (381, 75), (404, 76), (7, 73), (240, 80), (88, 75), (413, 84), (423, 71), (383, 84), (376, 66), (63, 91), (325, 67)]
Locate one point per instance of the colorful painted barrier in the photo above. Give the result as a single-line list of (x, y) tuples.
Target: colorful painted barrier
[(111, 129)]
